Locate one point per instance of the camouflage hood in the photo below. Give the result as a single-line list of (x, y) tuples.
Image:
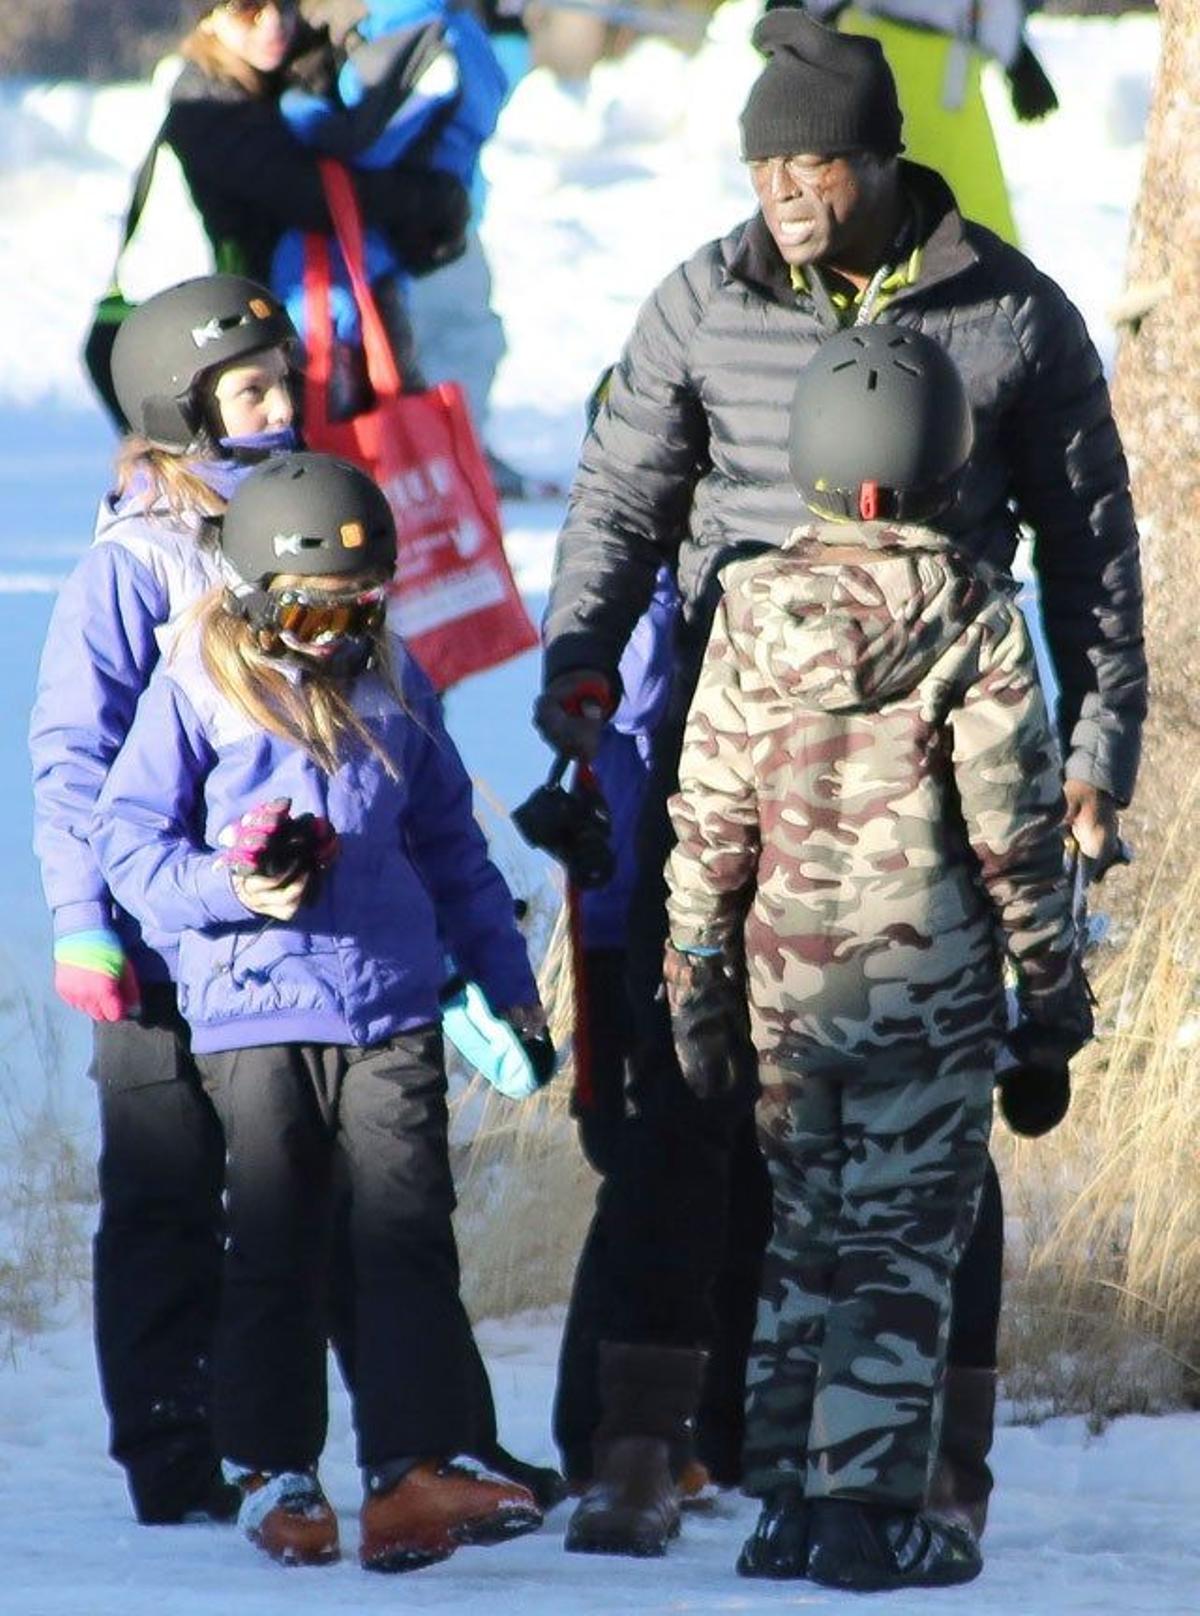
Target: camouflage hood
[(876, 604)]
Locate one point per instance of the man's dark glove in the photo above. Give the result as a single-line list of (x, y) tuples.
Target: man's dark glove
[(423, 212), (710, 1024), (572, 710), (1034, 1099), (1030, 91)]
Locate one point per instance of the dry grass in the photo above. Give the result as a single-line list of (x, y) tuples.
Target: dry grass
[(1102, 1312), (47, 1184), (525, 1190)]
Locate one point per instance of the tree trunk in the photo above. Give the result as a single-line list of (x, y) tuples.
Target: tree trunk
[(1156, 395)]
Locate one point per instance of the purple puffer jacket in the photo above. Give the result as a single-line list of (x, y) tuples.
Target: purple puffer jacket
[(145, 567), (623, 761), (364, 960)]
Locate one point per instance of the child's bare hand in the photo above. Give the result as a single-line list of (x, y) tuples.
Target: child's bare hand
[(278, 897)]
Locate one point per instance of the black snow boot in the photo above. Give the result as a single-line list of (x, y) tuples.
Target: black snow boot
[(778, 1546), (962, 1479), (648, 1398), (876, 1546)]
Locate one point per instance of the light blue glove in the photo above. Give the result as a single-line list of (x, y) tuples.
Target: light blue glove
[(515, 1067)]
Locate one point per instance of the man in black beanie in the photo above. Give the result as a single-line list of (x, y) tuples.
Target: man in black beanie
[(686, 464)]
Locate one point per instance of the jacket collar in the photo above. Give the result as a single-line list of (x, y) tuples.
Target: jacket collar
[(945, 249)]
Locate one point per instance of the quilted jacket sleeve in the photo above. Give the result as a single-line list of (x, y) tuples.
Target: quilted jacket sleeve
[(633, 490), (1071, 486)]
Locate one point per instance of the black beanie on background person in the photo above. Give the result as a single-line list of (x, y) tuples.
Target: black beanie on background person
[(820, 92)]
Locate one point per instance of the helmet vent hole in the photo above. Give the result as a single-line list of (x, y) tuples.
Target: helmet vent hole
[(846, 364), (909, 370), (872, 380)]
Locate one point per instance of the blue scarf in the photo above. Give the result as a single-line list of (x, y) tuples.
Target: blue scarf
[(241, 455)]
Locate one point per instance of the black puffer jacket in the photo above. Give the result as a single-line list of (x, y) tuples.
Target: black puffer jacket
[(692, 439)]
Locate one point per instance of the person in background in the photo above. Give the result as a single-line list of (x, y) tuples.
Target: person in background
[(692, 437), (868, 822), (253, 180), (713, 1452), (288, 805), (204, 413)]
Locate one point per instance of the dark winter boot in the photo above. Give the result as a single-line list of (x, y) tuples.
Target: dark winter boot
[(649, 1397), (872, 1546), (962, 1479), (778, 1546)]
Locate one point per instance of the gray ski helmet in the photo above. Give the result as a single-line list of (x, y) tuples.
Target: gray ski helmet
[(881, 426), (168, 345), (304, 514)]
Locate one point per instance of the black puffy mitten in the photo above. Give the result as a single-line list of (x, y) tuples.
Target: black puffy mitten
[(1030, 91), (1034, 1099)]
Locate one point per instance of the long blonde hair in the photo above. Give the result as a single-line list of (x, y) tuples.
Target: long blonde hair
[(314, 712), (169, 479)]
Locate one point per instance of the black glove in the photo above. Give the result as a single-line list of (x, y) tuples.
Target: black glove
[(1034, 1099), (1054, 1026), (710, 1024), (1030, 91), (574, 827), (423, 212), (541, 1054), (572, 711)]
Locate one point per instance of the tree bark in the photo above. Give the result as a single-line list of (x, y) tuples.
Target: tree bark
[(1156, 395)]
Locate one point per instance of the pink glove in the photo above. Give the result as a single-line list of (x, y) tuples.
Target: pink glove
[(92, 974), (244, 843)]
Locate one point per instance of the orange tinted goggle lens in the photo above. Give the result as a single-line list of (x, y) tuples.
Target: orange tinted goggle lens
[(307, 617)]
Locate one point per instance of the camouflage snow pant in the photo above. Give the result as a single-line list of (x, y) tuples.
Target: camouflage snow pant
[(876, 1186)]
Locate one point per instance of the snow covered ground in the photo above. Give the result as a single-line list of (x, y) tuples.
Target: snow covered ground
[(1080, 1526), (595, 194)]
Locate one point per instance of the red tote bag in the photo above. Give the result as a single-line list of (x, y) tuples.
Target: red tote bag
[(455, 600)]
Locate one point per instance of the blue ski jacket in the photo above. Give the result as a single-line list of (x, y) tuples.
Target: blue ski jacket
[(363, 960), (623, 761), (144, 567)]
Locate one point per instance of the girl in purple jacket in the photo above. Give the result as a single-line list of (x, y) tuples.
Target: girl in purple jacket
[(202, 373), (289, 805)]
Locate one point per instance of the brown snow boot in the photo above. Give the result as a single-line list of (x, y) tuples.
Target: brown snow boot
[(649, 1397), (288, 1516), (962, 1479), (434, 1508)]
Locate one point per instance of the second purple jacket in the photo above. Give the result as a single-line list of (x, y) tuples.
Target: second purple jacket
[(364, 960)]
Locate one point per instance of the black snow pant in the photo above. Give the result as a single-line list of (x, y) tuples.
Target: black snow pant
[(157, 1256), (681, 1183), (297, 1118), (729, 1329)]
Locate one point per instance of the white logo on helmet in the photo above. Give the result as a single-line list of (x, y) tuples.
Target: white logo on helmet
[(294, 543), (204, 334)]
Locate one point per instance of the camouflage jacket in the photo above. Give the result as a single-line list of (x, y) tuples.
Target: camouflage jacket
[(871, 788)]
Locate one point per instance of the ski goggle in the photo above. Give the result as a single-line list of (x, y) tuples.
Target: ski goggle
[(315, 617)]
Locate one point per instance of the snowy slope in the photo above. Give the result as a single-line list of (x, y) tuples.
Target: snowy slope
[(595, 194), (1080, 1527)]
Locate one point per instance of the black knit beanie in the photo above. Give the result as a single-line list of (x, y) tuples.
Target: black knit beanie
[(820, 92)]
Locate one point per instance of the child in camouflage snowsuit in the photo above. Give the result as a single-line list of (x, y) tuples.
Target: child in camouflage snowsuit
[(870, 806)]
